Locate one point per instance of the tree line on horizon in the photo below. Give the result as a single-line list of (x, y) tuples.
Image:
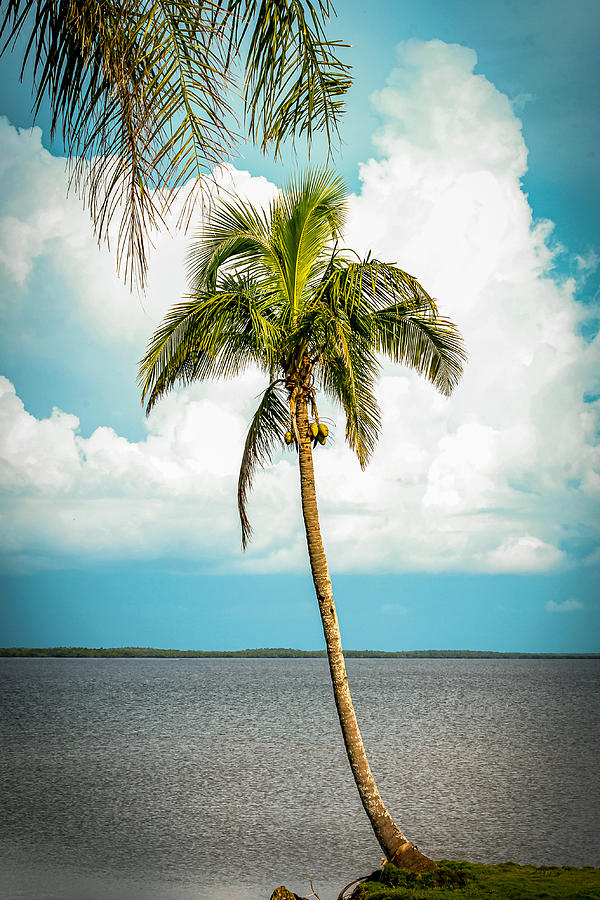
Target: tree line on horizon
[(271, 653)]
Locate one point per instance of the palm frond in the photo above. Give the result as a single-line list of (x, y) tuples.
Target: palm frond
[(317, 192), (234, 234), (306, 218), (266, 429), (402, 319), (139, 89), (371, 285), (428, 343), (210, 337), (356, 396), (298, 89), (347, 368)]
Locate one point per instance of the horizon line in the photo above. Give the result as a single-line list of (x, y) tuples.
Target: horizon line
[(283, 652)]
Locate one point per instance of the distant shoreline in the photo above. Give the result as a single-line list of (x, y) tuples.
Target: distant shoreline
[(270, 653)]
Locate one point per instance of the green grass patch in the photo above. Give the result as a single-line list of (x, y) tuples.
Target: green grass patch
[(471, 880)]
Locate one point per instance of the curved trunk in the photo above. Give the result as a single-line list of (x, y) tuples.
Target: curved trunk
[(393, 843)]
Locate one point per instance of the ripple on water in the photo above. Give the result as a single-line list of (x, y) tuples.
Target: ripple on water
[(220, 779)]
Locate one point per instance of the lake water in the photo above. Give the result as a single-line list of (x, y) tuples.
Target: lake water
[(219, 779)]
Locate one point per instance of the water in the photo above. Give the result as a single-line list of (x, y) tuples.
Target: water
[(220, 779)]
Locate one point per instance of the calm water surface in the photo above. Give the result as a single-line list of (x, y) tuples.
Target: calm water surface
[(220, 779)]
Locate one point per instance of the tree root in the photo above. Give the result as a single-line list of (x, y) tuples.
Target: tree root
[(344, 889)]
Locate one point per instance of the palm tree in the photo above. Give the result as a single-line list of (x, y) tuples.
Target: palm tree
[(274, 290), (141, 90)]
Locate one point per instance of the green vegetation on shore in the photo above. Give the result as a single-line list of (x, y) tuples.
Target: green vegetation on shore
[(275, 653), (475, 882)]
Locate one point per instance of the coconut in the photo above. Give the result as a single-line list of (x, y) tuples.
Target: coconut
[(288, 437), (321, 438), (323, 430), (314, 429)]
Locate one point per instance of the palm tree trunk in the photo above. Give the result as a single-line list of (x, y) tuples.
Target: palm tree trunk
[(393, 843)]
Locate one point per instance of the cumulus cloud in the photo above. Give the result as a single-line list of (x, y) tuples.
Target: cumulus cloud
[(171, 495), (505, 471), (502, 477)]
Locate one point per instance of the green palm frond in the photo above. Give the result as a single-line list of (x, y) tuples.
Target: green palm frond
[(306, 218), (217, 336), (402, 319), (347, 370), (139, 90), (267, 427), (316, 193), (426, 343), (371, 285), (234, 234)]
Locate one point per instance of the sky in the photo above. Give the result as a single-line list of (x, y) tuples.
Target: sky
[(469, 149)]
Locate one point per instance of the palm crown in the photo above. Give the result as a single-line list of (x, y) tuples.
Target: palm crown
[(272, 288)]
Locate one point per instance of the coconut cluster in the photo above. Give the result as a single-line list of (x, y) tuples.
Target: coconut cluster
[(317, 431), (322, 432)]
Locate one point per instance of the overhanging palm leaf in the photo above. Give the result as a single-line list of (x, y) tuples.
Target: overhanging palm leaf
[(272, 290), (300, 89), (140, 91)]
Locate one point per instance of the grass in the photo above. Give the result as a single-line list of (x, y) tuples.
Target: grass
[(475, 882)]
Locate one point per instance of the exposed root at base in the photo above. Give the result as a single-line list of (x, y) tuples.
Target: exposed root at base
[(340, 896)]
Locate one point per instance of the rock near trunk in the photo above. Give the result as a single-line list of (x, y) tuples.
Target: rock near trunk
[(282, 893)]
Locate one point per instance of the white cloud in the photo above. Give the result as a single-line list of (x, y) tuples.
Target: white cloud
[(587, 263), (523, 554), (564, 606), (500, 477), (170, 495), (39, 223)]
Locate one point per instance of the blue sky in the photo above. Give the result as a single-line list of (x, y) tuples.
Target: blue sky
[(470, 148)]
